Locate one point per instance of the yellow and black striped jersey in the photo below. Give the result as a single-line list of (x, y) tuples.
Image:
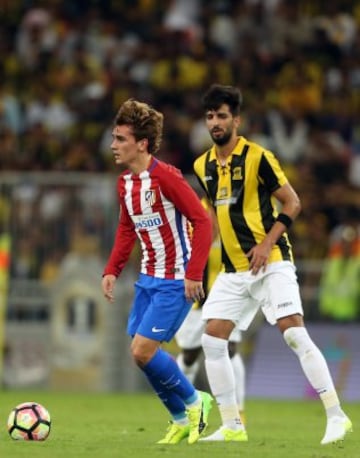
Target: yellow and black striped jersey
[(240, 191)]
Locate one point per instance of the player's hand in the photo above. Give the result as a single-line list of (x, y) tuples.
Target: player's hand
[(258, 257), (194, 290), (108, 283)]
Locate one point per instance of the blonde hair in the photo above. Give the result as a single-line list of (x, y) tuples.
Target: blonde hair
[(144, 121)]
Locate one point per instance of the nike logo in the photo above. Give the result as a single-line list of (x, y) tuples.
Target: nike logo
[(155, 329), (202, 424)]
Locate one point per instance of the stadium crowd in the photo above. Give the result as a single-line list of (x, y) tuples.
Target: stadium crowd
[(67, 66)]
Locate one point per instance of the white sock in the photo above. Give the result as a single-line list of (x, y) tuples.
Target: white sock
[(221, 379), (189, 371), (315, 368), (239, 373)]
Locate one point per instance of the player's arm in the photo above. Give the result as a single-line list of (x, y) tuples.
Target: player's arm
[(272, 176), (214, 221), (290, 208), (123, 244), (206, 201), (290, 202)]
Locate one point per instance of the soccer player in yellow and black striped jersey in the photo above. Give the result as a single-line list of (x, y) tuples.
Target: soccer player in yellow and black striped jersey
[(245, 184)]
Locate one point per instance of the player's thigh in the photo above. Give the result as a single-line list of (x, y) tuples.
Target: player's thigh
[(166, 311), (282, 293), (141, 302), (189, 334), (229, 299)]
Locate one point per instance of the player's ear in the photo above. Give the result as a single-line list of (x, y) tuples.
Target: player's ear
[(237, 120), (143, 144)]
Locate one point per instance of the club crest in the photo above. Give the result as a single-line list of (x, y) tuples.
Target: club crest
[(150, 196)]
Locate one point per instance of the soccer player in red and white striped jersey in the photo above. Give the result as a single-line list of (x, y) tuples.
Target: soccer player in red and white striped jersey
[(157, 206)]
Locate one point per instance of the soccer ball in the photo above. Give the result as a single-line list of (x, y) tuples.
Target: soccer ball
[(29, 421)]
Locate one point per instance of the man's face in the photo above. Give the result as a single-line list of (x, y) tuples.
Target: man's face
[(221, 124), (124, 146)]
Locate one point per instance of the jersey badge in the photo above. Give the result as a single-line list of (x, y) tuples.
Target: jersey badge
[(150, 196), (237, 173)]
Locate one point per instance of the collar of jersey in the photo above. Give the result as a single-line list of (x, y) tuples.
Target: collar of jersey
[(236, 151)]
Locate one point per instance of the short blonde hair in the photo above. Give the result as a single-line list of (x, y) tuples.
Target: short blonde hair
[(144, 121)]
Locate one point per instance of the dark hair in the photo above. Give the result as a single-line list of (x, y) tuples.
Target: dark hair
[(144, 121), (218, 95)]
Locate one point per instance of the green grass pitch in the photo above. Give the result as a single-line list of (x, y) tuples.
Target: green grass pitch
[(128, 425)]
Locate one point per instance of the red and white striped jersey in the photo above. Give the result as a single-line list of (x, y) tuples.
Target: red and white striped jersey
[(157, 206)]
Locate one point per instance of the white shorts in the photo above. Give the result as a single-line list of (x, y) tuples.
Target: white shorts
[(238, 296), (190, 332)]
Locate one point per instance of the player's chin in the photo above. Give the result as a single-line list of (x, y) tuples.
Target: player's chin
[(218, 137)]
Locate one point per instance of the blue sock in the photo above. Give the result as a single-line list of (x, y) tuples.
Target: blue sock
[(171, 400), (169, 383)]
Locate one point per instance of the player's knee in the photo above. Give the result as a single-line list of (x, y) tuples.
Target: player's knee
[(141, 355), (139, 358), (214, 347), (298, 339), (190, 356)]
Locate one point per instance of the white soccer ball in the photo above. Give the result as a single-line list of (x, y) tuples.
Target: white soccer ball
[(29, 421)]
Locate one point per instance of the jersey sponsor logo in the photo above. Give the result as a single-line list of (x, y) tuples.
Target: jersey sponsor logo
[(150, 196), (284, 304), (151, 221), (230, 201), (208, 178)]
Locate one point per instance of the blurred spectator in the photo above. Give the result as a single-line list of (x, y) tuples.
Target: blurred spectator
[(9, 149), (48, 109), (183, 15), (288, 134), (340, 283), (10, 110), (36, 38)]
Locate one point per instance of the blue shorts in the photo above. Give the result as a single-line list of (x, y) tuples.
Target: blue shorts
[(159, 308)]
